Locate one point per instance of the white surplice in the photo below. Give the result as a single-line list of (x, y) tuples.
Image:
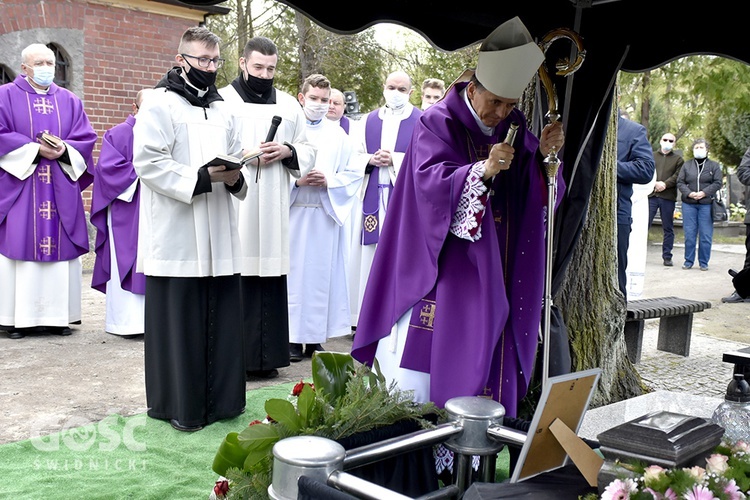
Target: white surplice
[(317, 281)]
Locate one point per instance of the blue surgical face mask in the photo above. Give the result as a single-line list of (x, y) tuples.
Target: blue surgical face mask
[(43, 75), (699, 153)]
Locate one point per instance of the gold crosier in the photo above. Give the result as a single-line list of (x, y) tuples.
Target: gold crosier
[(552, 163)]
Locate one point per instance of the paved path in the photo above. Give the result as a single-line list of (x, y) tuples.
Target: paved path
[(703, 372)]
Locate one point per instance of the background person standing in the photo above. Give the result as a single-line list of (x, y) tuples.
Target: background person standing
[(264, 213), (43, 228), (433, 90), (321, 202), (698, 182), (635, 165), (381, 138), (336, 108), (663, 198), (114, 213)]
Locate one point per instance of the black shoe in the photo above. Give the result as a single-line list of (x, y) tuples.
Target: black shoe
[(668, 262), (15, 334), (733, 299), (184, 428), (311, 348), (295, 352), (63, 331), (272, 373), (132, 336)]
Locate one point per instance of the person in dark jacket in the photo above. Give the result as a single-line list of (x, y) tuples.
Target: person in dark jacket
[(635, 165), (698, 182), (663, 198), (743, 174)]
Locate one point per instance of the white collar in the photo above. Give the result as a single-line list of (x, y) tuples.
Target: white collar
[(488, 131)]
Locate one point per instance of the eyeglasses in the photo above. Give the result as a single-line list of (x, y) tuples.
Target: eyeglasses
[(667, 140), (203, 62)]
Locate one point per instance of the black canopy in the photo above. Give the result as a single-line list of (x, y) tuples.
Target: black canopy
[(629, 35)]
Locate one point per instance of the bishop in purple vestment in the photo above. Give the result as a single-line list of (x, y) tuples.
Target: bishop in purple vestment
[(42, 218), (459, 268)]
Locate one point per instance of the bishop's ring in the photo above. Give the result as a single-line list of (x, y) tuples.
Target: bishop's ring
[(501, 161)]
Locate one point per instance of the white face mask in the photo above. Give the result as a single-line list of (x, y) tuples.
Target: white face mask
[(699, 154), (43, 75), (395, 99), (315, 111), (666, 145)]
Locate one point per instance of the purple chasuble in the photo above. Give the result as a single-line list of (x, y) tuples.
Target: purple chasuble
[(42, 218), (484, 298), (371, 202), (113, 175)]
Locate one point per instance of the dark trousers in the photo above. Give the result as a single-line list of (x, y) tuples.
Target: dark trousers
[(623, 242), (747, 246), (666, 209)]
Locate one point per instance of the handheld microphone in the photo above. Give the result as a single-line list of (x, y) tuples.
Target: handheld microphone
[(511, 135), (275, 121)]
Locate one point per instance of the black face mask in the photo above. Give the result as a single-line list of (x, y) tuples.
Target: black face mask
[(259, 85), (201, 79)]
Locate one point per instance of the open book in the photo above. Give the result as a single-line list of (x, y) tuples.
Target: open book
[(232, 162)]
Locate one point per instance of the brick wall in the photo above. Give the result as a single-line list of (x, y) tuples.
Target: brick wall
[(125, 48)]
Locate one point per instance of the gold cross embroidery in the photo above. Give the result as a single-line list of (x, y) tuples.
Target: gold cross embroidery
[(427, 315), (371, 223), (47, 246), (44, 175), (487, 393), (47, 210), (43, 105)]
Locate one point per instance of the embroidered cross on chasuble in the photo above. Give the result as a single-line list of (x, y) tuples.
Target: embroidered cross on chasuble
[(45, 118)]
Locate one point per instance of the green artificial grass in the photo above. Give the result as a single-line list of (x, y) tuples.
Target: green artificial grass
[(133, 457)]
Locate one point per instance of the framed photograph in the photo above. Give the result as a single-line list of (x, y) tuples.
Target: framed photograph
[(565, 398)]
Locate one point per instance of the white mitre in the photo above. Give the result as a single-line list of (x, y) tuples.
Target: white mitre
[(508, 60)]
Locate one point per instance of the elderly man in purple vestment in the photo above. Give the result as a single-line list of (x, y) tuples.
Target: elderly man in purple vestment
[(114, 213), (42, 220), (453, 304)]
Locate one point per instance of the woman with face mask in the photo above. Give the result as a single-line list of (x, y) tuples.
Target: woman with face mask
[(698, 182)]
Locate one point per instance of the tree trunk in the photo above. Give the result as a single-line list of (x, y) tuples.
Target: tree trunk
[(590, 301), (305, 48)]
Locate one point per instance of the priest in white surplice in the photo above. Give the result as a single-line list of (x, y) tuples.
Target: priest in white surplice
[(320, 204), (42, 220), (380, 140)]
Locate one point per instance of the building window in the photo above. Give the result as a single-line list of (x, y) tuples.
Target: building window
[(5, 75), (62, 66)]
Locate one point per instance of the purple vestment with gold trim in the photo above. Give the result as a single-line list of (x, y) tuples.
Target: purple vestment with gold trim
[(42, 217), (485, 297)]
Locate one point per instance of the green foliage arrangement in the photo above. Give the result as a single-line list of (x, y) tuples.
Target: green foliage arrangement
[(342, 400)]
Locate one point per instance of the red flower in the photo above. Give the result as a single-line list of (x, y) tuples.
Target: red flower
[(299, 386), (254, 422), (221, 488)]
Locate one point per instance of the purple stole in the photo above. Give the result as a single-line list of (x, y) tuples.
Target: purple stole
[(42, 217), (371, 203), (344, 122)]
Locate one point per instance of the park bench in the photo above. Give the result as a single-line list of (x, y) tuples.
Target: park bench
[(675, 324)]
